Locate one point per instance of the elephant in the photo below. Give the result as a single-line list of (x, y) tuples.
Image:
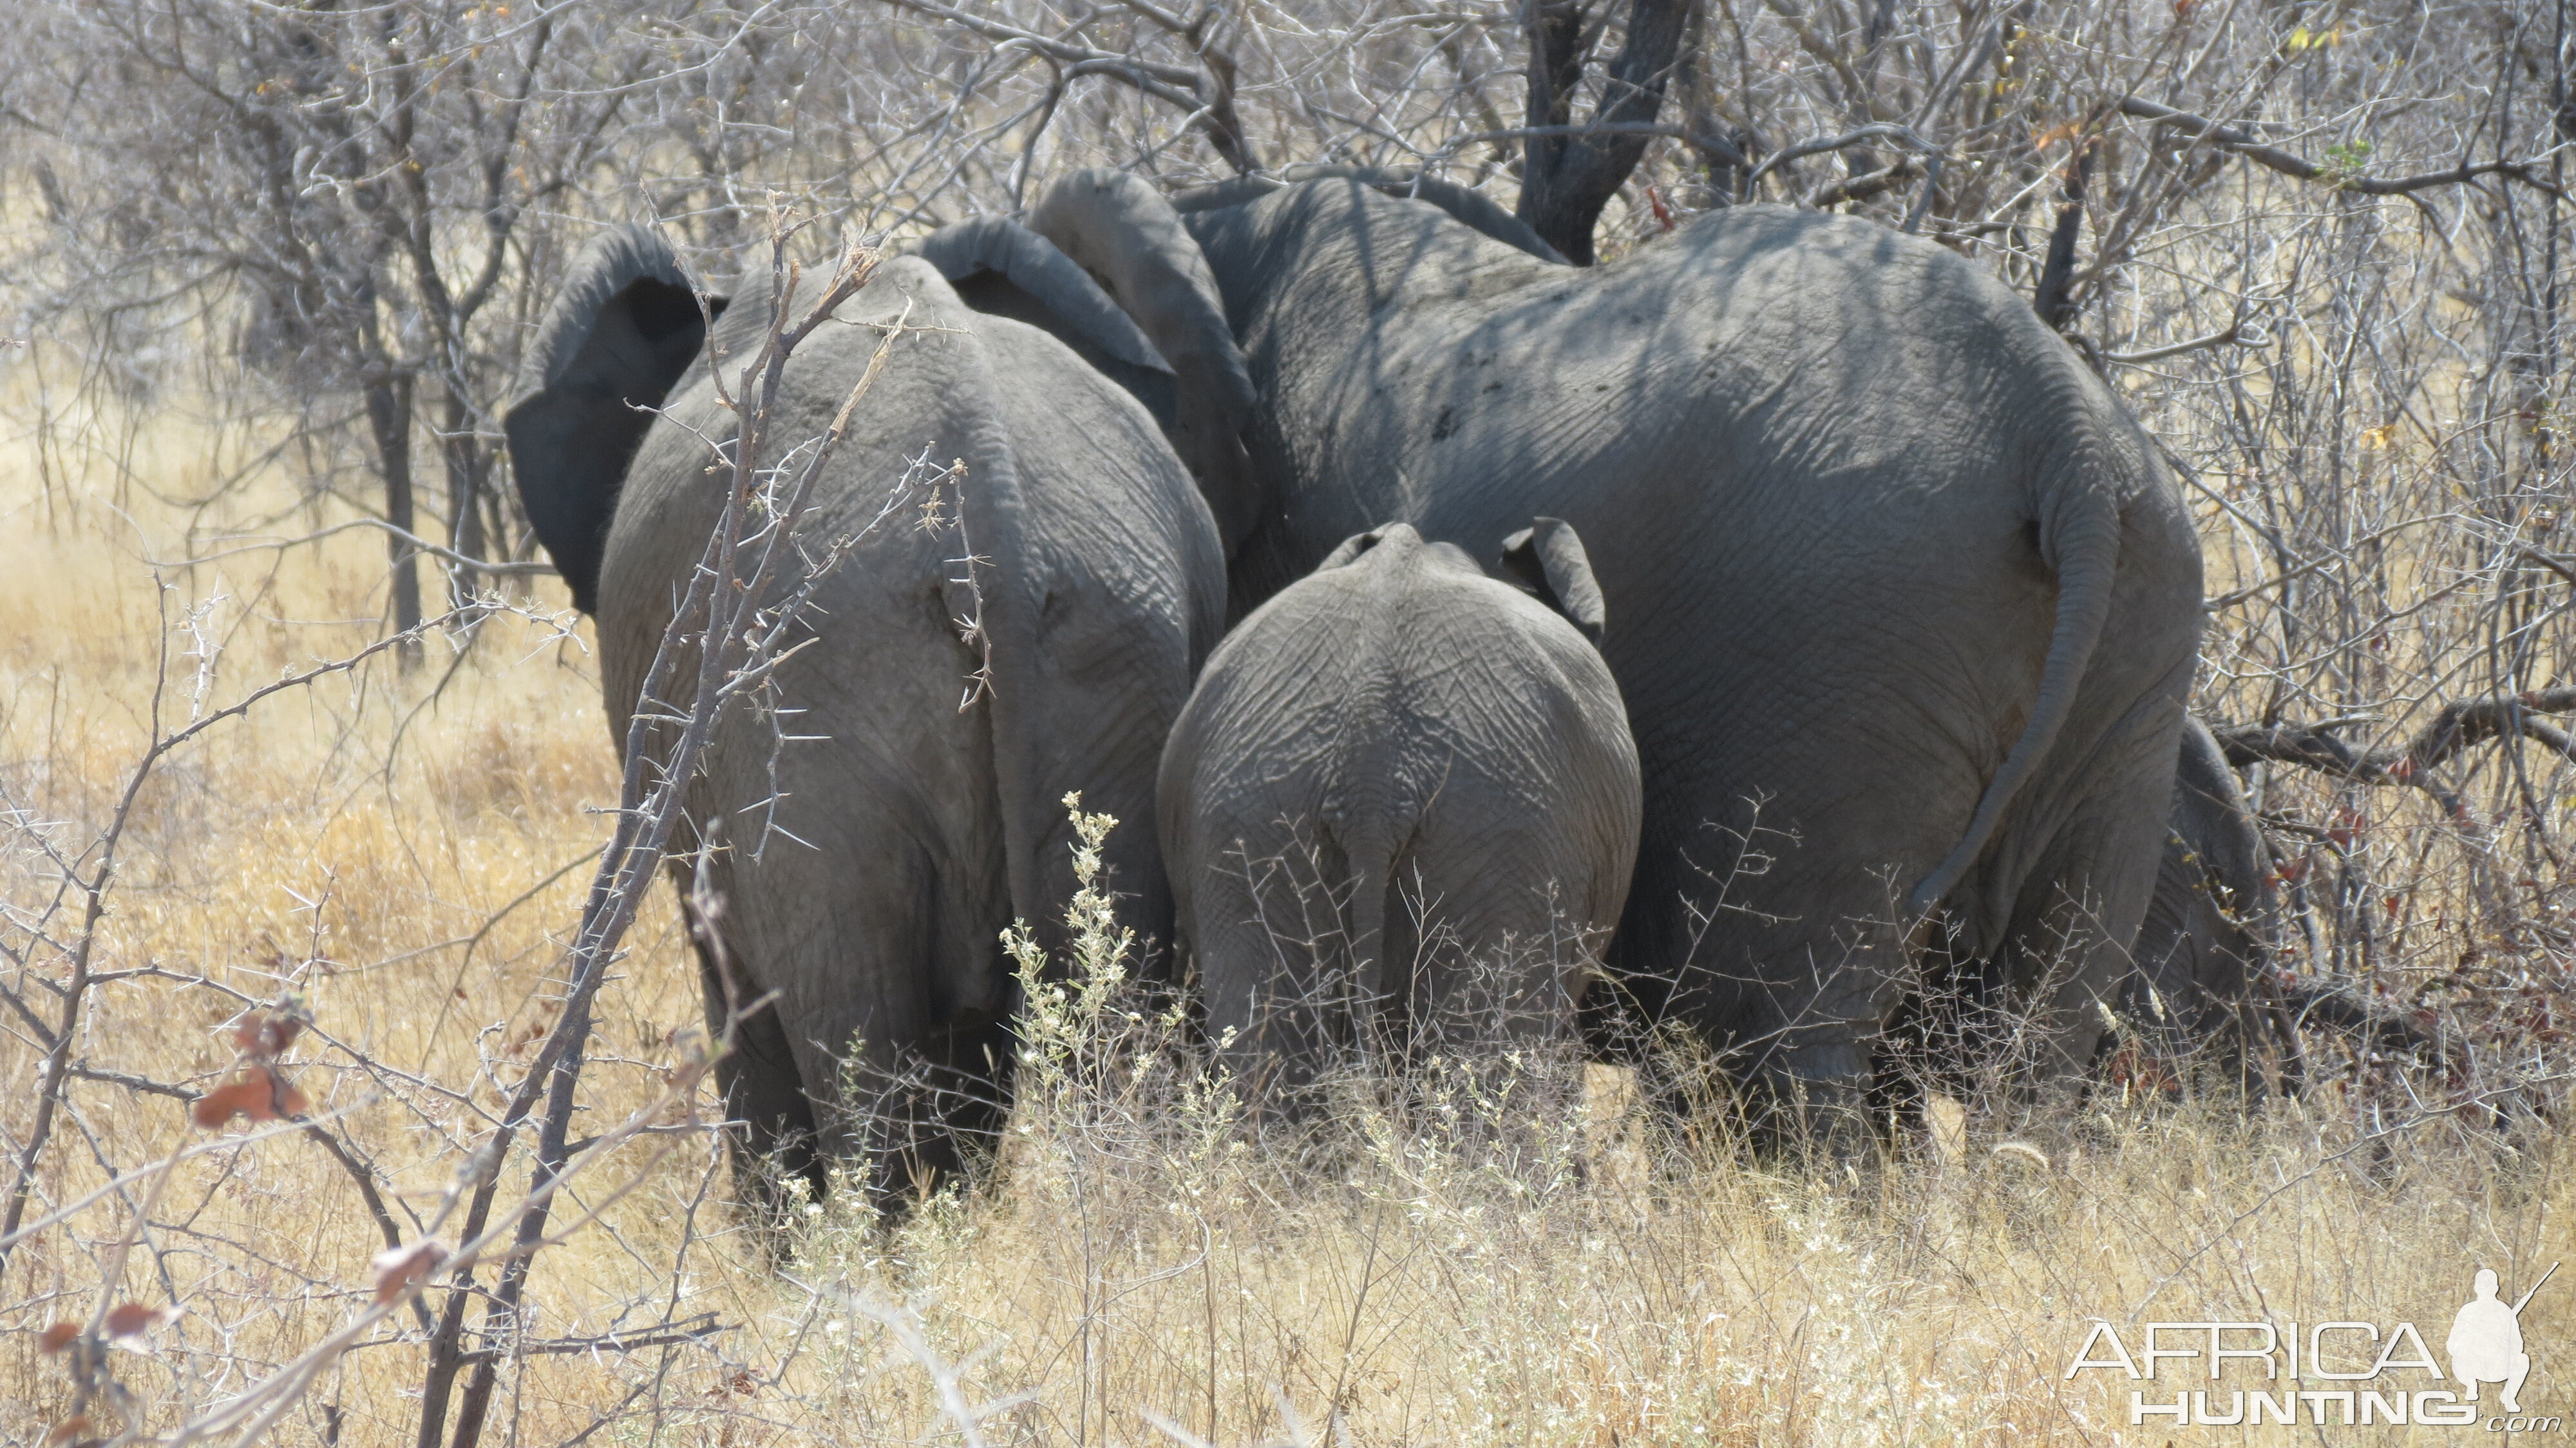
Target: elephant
[(1911, 607), (867, 865), (1401, 806), (2200, 988)]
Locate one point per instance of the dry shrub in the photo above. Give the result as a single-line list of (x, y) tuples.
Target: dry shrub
[(1423, 1267)]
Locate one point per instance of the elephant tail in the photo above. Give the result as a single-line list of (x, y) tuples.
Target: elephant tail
[(1371, 853), (2083, 540)]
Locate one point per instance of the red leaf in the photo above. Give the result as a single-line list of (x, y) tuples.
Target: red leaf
[(133, 1319), (69, 1428), (286, 1100), (264, 1034), (258, 1092), (58, 1337), (239, 1096)]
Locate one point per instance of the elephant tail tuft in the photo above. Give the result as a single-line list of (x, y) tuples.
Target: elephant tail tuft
[(2084, 539)]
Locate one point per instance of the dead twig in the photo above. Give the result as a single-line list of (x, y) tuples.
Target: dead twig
[(2261, 153)]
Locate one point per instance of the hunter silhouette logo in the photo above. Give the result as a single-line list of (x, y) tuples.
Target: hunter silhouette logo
[(2486, 1341), (2336, 1373)]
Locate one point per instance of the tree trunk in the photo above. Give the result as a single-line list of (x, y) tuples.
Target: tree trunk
[(389, 417), (467, 462), (1720, 182), (1567, 181), (2054, 298)]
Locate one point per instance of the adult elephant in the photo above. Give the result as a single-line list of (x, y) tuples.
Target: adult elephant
[(1909, 608), (908, 831)]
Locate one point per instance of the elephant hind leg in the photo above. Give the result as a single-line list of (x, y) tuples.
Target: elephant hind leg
[(924, 1072), (2066, 957), (772, 1127), (1931, 1042), (941, 1114)]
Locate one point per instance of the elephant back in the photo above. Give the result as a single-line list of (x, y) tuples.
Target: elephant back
[(1395, 675)]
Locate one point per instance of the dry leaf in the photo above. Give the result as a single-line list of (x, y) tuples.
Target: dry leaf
[(258, 1092), (243, 1095), (69, 1428), (133, 1319), (266, 1034), (397, 1268), (287, 1101), (58, 1337)]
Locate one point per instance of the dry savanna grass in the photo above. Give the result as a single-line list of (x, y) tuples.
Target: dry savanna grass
[(405, 853)]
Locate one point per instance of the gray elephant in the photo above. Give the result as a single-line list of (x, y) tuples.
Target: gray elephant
[(2199, 992), (2199, 999), (1909, 605), (908, 831), (1402, 805)]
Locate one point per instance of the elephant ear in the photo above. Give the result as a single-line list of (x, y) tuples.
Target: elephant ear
[(1119, 228), (1548, 559), (620, 334), (1032, 263), (1472, 208)]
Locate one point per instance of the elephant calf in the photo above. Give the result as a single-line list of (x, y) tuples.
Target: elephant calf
[(1402, 805)]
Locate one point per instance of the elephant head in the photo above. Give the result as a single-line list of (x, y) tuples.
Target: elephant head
[(1473, 208), (1002, 268), (1131, 239)]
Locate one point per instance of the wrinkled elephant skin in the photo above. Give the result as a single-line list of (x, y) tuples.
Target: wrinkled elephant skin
[(1401, 809), (1907, 605)]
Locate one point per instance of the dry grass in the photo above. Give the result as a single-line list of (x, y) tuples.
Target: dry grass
[(384, 845)]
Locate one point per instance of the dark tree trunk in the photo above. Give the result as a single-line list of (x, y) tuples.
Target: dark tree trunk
[(1721, 182), (2054, 298), (467, 463), (1566, 181), (389, 417)]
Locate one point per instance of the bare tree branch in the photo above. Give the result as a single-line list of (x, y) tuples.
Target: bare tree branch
[(2236, 139)]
